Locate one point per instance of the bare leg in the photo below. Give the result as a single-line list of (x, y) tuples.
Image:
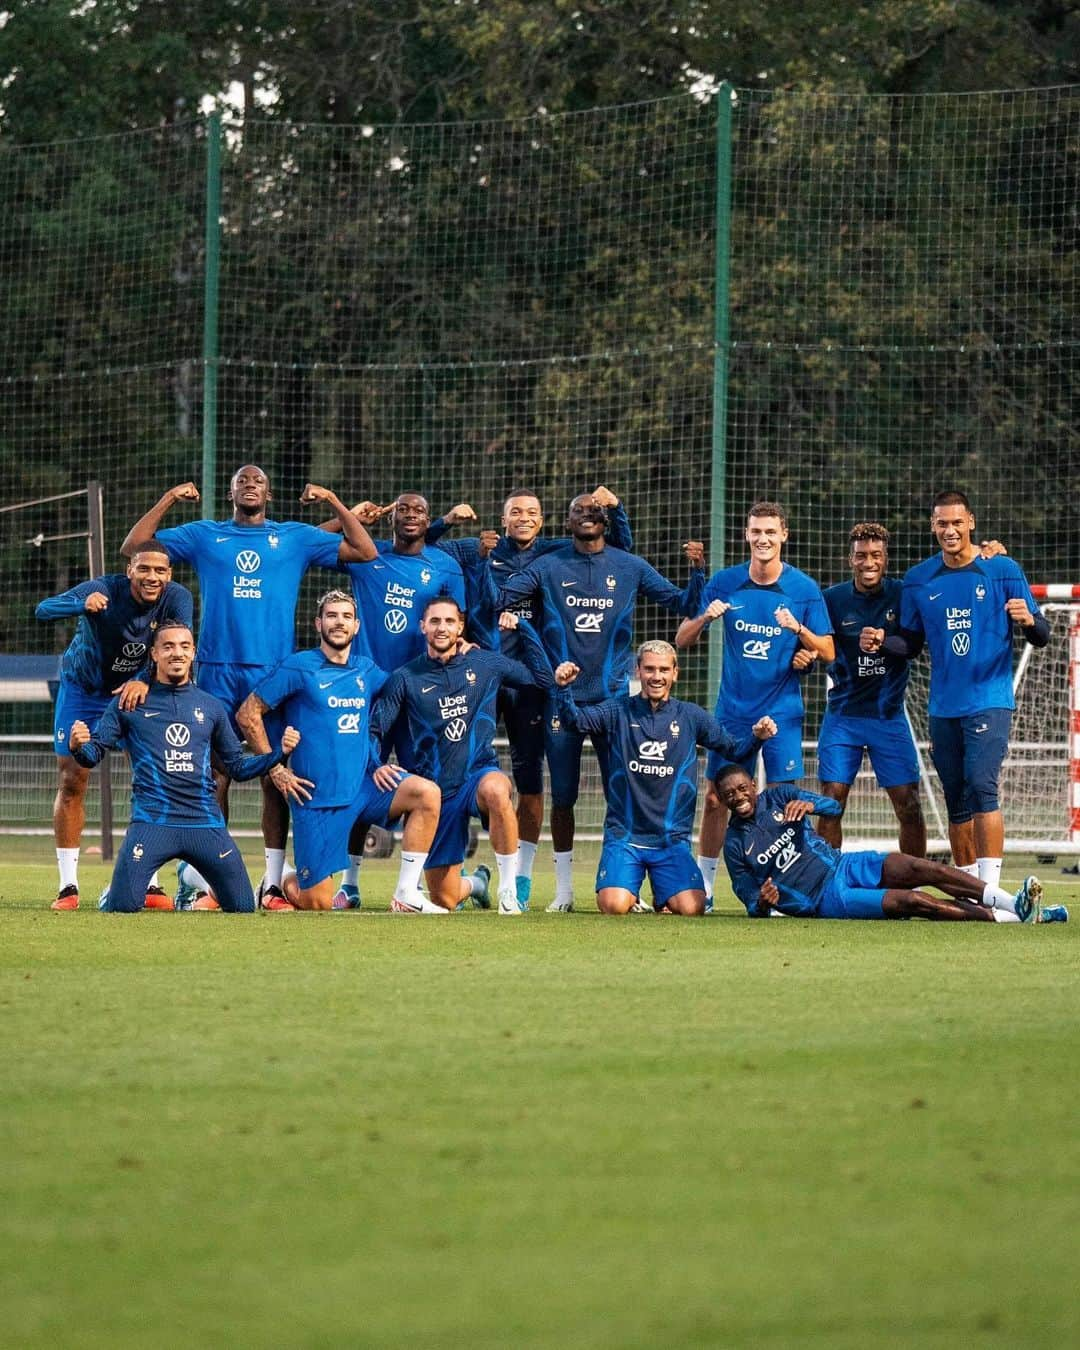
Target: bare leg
[(562, 828), (615, 900), (901, 871), (530, 816), (962, 843), (687, 903), (713, 825), (69, 805), (989, 832), (446, 886), (319, 896), (829, 827), (919, 905), (909, 815), (493, 798), (221, 792), (275, 816)]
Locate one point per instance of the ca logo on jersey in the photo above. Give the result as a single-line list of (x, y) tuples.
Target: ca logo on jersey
[(787, 858), (456, 729), (395, 621), (756, 649), (247, 560), (348, 724), (652, 749), (961, 644), (177, 734), (587, 622)]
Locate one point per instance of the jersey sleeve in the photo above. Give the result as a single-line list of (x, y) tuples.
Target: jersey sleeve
[(230, 752), (656, 587), (282, 681), (387, 707), (910, 615), (519, 586), (70, 602), (537, 667), (594, 717), (182, 541), (1017, 588), (715, 736), (743, 881), (178, 604), (618, 533), (321, 547), (818, 619), (107, 736)]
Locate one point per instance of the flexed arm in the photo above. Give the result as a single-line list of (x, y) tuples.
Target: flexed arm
[(146, 526)]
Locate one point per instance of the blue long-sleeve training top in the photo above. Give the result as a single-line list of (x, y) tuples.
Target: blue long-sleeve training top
[(790, 853)]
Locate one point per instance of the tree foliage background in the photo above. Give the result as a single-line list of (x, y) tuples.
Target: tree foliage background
[(529, 295)]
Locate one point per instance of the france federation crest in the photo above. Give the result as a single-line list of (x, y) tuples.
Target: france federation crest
[(137, 852), (425, 575), (778, 816), (200, 716), (470, 676), (273, 540), (673, 727), (610, 583), (980, 592)]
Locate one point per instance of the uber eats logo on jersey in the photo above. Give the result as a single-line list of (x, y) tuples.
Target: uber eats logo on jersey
[(870, 665), (454, 708), (958, 622), (651, 760), (130, 658), (246, 585), (177, 759), (397, 599)]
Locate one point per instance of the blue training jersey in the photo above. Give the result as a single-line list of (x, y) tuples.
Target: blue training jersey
[(169, 739), (249, 581), (653, 762), (961, 613), (448, 708), (865, 684), (391, 592), (587, 611), (330, 706), (790, 853), (484, 576), (758, 678), (113, 644)]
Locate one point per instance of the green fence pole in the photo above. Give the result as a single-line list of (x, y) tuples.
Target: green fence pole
[(721, 329), (211, 281)]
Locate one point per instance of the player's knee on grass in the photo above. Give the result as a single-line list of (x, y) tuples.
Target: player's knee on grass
[(615, 900), (687, 903), (320, 896)]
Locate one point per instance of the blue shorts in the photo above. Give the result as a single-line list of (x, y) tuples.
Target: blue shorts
[(74, 704), (522, 712), (321, 833), (562, 744), (967, 753), (855, 891), (212, 850), (782, 753), (231, 685), (451, 841), (670, 869), (887, 740)]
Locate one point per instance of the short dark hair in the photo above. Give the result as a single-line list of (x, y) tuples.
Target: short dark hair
[(766, 508), (442, 599), (950, 497), (868, 531), (728, 771), (171, 623), (522, 492), (150, 546)]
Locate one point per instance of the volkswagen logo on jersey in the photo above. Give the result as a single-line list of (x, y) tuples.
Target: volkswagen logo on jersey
[(456, 729), (961, 643), (177, 734), (586, 622), (756, 649), (395, 621), (348, 724), (134, 648), (247, 560)]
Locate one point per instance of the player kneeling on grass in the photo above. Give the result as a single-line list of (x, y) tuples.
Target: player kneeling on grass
[(439, 710), (778, 863), (335, 778), (653, 744), (174, 813)]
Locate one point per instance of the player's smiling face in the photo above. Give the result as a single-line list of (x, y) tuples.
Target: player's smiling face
[(410, 517), (739, 795), (173, 653), (249, 490), (657, 674), (585, 519), (766, 536), (869, 563), (149, 574), (952, 525), (523, 519), (337, 625), (442, 627)]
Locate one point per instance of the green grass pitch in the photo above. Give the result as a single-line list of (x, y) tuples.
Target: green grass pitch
[(365, 1130)]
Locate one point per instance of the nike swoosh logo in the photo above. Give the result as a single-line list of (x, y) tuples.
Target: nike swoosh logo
[(934, 597), (848, 623), (427, 688), (326, 685), (379, 567), (496, 563), (146, 714), (569, 583), (221, 538), (226, 854), (748, 851)]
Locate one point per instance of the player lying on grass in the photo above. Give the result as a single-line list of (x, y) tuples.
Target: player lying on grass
[(335, 777), (118, 615), (776, 862), (174, 812), (652, 741), (439, 710)]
